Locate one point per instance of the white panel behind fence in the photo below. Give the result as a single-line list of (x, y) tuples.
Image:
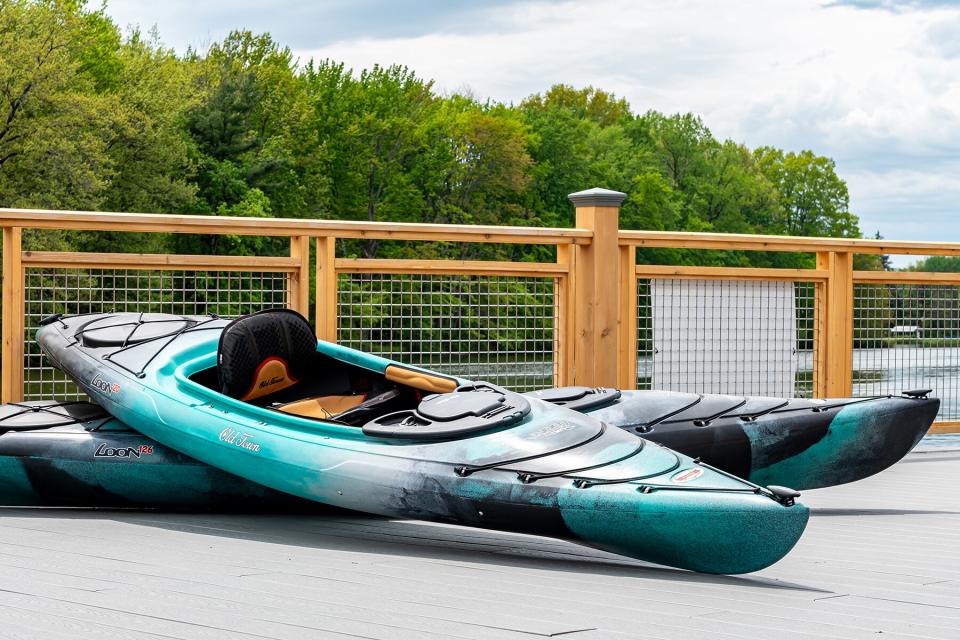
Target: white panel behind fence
[(724, 336)]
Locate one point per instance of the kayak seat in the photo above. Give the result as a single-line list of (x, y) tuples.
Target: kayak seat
[(264, 353), (270, 359)]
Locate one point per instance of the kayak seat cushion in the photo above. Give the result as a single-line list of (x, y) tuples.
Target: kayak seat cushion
[(263, 353), (321, 407), (354, 410)]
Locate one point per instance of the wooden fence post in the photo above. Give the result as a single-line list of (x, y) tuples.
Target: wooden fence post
[(627, 349), (327, 289), (563, 328), (833, 337), (298, 282), (597, 289), (11, 385)]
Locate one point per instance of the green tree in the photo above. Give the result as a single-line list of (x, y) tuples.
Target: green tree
[(474, 159), (371, 129), (580, 138), (55, 128), (151, 149), (813, 199), (474, 168), (251, 136), (713, 186), (248, 128), (679, 141), (942, 264), (596, 105), (561, 164)]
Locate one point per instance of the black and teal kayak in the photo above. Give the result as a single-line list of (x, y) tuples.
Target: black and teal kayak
[(799, 443), (259, 397), (76, 454)]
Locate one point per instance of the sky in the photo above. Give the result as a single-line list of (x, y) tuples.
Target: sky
[(874, 84)]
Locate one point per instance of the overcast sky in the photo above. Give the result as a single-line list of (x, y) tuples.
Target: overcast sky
[(874, 84)]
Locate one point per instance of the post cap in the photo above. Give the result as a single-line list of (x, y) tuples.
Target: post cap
[(597, 197)]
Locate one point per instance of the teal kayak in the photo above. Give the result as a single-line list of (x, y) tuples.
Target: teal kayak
[(261, 398)]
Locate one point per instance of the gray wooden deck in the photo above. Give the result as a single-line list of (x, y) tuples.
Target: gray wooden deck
[(879, 556)]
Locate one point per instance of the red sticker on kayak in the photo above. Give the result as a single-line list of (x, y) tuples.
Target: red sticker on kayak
[(687, 475)]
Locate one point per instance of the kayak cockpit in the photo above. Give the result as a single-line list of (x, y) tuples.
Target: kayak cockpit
[(271, 360)]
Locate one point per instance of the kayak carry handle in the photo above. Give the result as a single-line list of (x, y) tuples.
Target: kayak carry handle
[(784, 495)]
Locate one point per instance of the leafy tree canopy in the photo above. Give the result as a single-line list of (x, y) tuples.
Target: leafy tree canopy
[(945, 264)]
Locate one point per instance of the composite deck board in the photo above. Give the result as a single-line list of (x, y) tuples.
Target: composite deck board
[(48, 625), (879, 556)]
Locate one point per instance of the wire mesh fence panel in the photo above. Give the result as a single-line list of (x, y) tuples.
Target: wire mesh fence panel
[(907, 336), (494, 328), (726, 336), (71, 291)]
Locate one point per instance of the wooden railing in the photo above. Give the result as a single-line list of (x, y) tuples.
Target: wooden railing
[(595, 277)]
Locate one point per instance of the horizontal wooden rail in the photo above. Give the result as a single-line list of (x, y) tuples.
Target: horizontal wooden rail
[(731, 273), (162, 223), (452, 267), (748, 242), (905, 277), (945, 426), (149, 261)]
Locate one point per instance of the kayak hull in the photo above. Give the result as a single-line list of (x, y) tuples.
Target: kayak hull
[(555, 472)]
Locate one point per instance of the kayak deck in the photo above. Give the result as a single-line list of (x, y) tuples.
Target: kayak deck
[(263, 576)]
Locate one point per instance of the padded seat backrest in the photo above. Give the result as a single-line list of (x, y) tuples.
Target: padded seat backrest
[(265, 352)]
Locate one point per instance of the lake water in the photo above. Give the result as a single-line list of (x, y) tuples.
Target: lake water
[(940, 442), (882, 371)]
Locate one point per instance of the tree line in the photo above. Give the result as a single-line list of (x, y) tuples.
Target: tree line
[(93, 118)]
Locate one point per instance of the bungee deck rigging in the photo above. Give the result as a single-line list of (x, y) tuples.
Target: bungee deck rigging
[(31, 416)]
